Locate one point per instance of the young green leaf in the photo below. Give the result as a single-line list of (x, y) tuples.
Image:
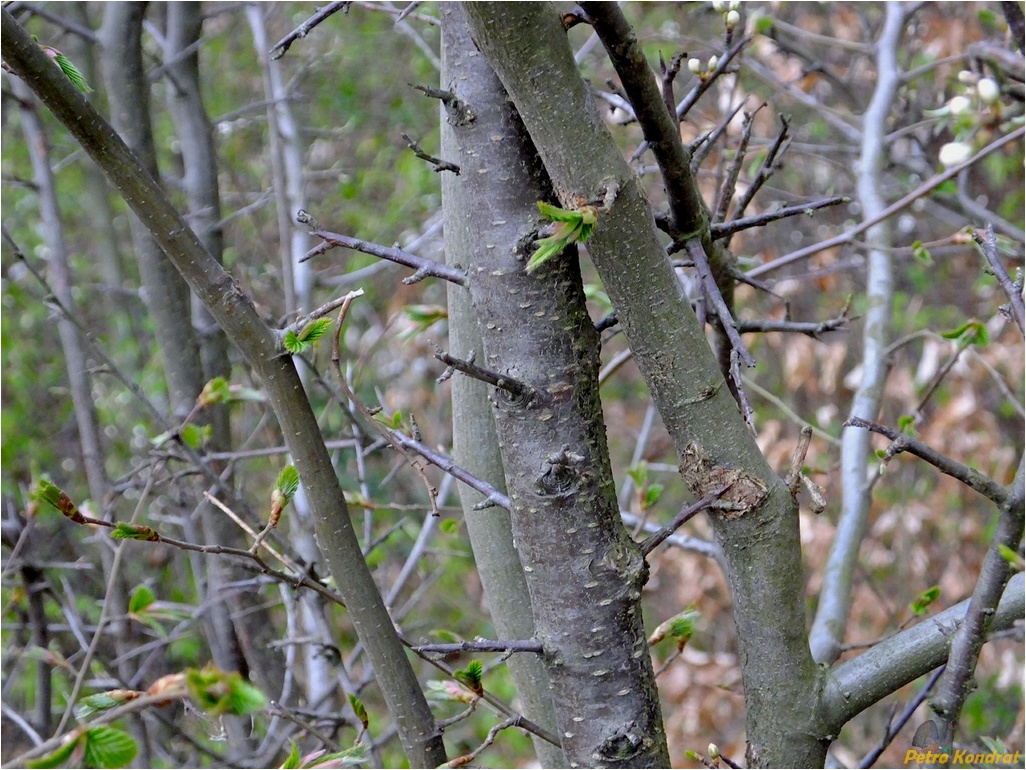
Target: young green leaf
[(103, 701), (360, 710), (59, 756), (108, 747), (314, 330), (351, 757), (471, 677), (292, 761), (141, 599), (970, 333), (288, 482), (216, 391), (573, 227), (196, 436), (123, 531), (924, 600), (71, 72)]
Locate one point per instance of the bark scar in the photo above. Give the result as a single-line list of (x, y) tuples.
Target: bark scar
[(745, 492)]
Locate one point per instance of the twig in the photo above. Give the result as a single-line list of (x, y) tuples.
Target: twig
[(697, 252), (466, 759), (895, 727), (729, 186), (901, 443), (704, 144), (481, 645), (439, 165), (726, 229), (407, 11), (424, 267), (766, 168), (669, 73), (649, 544), (328, 307), (336, 359), (1014, 292), (304, 29), (512, 386), (923, 189), (809, 328)]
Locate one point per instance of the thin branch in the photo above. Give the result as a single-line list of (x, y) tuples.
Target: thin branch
[(439, 165), (481, 645), (424, 267), (901, 443), (895, 726), (697, 252), (512, 386), (812, 329), (726, 229), (466, 759), (702, 146), (766, 168), (925, 188), (669, 73), (649, 544), (1012, 289), (283, 45), (336, 359), (729, 186)]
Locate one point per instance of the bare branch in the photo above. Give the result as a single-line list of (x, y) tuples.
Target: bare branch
[(505, 382), (902, 443), (685, 515), (283, 45), (481, 645), (1013, 290), (726, 229), (439, 165), (697, 252), (392, 253)]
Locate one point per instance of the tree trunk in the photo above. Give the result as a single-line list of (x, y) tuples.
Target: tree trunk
[(527, 46), (583, 571)]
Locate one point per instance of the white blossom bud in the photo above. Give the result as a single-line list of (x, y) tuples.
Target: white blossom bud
[(695, 65), (734, 4), (954, 153), (714, 751), (713, 61), (733, 19), (988, 90), (719, 5), (965, 77), (959, 105)]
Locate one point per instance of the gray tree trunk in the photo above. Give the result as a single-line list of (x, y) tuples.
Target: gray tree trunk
[(527, 46), (583, 571), (475, 443)]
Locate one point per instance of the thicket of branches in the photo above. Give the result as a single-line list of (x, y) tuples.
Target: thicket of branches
[(334, 505)]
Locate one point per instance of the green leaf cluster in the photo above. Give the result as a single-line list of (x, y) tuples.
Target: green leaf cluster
[(302, 342), (572, 227)]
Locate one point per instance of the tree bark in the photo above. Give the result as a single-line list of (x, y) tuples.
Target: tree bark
[(527, 46), (583, 571)]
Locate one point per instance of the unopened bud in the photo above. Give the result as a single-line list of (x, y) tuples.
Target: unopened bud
[(714, 751), (965, 77), (713, 61), (732, 20), (734, 4), (988, 90), (959, 105), (954, 153), (695, 65)]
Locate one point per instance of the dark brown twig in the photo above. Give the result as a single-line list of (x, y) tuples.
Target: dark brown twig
[(669, 73), (481, 645), (730, 182), (698, 256), (514, 387), (726, 229), (304, 29), (703, 146), (902, 443), (894, 726), (766, 168), (650, 543), (1012, 290), (439, 164)]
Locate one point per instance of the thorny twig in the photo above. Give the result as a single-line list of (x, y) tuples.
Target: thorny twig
[(902, 443), (438, 163), (336, 362), (1012, 289), (283, 45)]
